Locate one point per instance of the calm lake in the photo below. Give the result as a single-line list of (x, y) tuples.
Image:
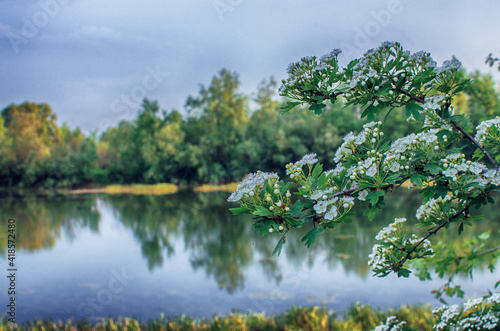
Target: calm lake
[(90, 256)]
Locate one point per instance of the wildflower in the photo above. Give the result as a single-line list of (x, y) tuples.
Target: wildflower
[(251, 182), (308, 159), (362, 195), (372, 171), (332, 213)]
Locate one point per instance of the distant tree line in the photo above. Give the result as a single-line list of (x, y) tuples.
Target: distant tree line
[(221, 136)]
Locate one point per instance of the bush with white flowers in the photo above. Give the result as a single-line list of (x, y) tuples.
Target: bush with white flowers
[(368, 165)]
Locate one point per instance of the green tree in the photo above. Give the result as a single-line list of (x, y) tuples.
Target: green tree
[(220, 113)]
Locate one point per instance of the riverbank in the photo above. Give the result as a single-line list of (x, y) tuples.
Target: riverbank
[(357, 318), (134, 189)]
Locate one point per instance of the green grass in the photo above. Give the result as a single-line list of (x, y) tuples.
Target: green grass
[(357, 318)]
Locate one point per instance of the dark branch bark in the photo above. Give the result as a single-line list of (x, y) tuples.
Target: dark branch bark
[(407, 256), (478, 145), (489, 251)]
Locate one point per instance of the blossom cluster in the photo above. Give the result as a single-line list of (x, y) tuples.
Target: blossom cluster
[(391, 324), (434, 210), (475, 314), (488, 132), (252, 184), (456, 163), (465, 174), (311, 73), (425, 142), (295, 169), (394, 246), (366, 141)]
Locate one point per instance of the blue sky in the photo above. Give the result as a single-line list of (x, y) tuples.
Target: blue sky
[(93, 61)]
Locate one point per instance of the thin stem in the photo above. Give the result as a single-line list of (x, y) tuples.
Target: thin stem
[(345, 192), (407, 256), (468, 136), (489, 251), (413, 97), (459, 128), (352, 190)]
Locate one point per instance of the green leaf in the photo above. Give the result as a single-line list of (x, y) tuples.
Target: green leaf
[(263, 227), (370, 112), (374, 196), (433, 168), (261, 211), (296, 223), (404, 273), (413, 108), (347, 217), (289, 106), (461, 228), (429, 192), (296, 209), (322, 180), (310, 237), (269, 188), (417, 179), (371, 212), (240, 210), (279, 246), (478, 154), (285, 188), (317, 107), (317, 170), (393, 178)]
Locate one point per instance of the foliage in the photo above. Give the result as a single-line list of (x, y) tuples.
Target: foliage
[(368, 165), (36, 152), (221, 133), (358, 318)]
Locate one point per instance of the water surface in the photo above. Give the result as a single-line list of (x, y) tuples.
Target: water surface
[(89, 256)]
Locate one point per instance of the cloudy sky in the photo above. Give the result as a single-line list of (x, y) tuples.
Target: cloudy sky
[(94, 61)]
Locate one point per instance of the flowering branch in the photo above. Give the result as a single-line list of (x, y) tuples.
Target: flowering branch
[(468, 136), (407, 256), (459, 128)]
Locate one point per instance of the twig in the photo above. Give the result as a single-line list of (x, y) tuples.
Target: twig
[(459, 128), (407, 256), (468, 136), (352, 190), (492, 250), (413, 97)]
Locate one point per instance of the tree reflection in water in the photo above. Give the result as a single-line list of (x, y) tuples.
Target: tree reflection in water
[(220, 244)]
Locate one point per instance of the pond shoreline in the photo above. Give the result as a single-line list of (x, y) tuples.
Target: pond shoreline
[(140, 189), (358, 317)]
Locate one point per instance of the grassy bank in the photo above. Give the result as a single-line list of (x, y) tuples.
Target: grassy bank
[(357, 318), (155, 189), (158, 189)]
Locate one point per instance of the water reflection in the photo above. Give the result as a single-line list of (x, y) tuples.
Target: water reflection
[(41, 221), (223, 246)]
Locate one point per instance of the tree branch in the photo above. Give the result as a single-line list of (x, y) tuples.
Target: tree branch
[(489, 251), (478, 145), (459, 128), (407, 256), (413, 97), (352, 190)]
